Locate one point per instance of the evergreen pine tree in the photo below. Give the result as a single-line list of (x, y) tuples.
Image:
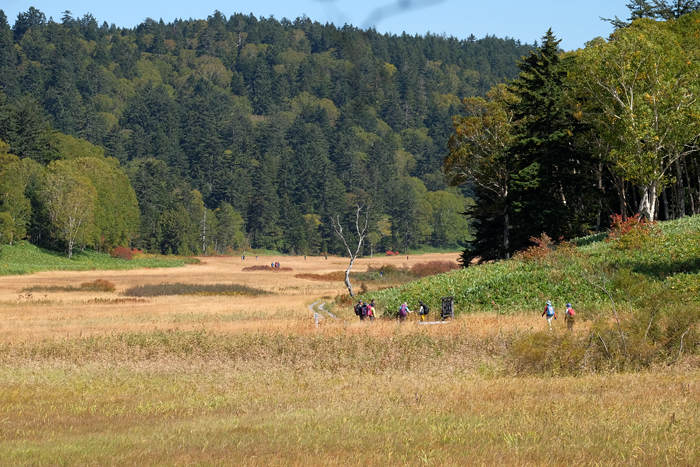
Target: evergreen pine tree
[(552, 173)]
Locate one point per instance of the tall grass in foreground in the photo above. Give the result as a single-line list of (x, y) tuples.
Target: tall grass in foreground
[(329, 399)]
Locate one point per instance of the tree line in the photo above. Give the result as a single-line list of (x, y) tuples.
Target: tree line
[(239, 132), (612, 128)]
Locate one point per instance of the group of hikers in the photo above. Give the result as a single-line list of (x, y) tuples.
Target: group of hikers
[(569, 315), (368, 310), (276, 264)]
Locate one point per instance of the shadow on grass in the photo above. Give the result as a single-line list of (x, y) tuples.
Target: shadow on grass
[(595, 238), (661, 269)]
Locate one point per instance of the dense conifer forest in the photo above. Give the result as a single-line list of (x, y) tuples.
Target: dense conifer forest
[(233, 132)]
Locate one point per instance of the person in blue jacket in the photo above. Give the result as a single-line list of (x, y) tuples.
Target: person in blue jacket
[(549, 311)]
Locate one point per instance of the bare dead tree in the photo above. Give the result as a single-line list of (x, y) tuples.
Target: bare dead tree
[(361, 234)]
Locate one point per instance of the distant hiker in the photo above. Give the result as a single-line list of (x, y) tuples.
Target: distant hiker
[(304, 257), (403, 311), (569, 317), (373, 304), (549, 311), (371, 311), (272, 265), (256, 257), (423, 311), (381, 273), (358, 309)]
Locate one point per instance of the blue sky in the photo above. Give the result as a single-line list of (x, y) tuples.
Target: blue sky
[(573, 22)]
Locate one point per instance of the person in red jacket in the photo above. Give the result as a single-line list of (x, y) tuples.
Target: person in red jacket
[(570, 313)]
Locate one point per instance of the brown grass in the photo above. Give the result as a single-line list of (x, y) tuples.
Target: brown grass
[(431, 268), (98, 285), (62, 313), (329, 397), (178, 288), (334, 276), (215, 380), (116, 301)]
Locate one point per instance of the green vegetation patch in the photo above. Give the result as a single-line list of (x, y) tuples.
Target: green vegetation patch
[(25, 258), (177, 288)]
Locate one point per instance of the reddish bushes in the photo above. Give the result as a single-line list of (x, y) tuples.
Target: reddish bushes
[(433, 267), (121, 253), (392, 253), (632, 233)]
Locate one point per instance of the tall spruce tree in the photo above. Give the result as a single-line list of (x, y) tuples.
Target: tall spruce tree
[(550, 189)]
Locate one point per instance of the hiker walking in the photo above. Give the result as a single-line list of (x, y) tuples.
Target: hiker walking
[(373, 308), (370, 311), (549, 311), (403, 311), (365, 310), (423, 311), (358, 309), (569, 317)]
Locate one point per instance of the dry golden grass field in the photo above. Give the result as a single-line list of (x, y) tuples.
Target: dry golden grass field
[(89, 379), (75, 314)]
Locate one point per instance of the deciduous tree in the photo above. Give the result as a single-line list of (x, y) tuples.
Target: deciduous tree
[(642, 97)]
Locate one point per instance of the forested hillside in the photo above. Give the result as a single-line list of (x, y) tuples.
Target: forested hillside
[(240, 131)]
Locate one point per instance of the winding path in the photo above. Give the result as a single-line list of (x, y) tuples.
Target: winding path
[(321, 308)]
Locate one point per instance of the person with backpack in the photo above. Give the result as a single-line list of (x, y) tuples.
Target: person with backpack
[(358, 309), (569, 317), (403, 311), (549, 311), (423, 311)]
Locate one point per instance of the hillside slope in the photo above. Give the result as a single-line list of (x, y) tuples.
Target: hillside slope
[(634, 269)]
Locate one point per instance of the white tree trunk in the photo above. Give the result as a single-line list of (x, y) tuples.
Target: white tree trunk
[(647, 201)]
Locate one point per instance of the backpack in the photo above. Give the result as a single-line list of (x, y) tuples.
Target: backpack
[(358, 309), (426, 310), (402, 311), (571, 311), (550, 310)]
